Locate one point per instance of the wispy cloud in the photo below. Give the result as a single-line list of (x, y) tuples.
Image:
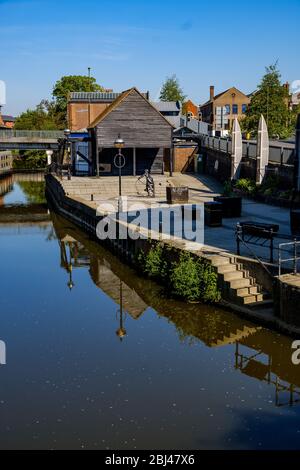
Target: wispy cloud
[(186, 26)]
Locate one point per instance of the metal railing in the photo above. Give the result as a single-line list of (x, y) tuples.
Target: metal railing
[(240, 240), (13, 133), (280, 154), (292, 249)]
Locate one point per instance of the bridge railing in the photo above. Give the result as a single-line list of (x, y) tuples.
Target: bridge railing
[(280, 154), (12, 133)]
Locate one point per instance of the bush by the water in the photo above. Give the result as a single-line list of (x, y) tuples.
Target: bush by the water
[(188, 278)]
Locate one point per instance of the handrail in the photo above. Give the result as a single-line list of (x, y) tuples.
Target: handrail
[(238, 235), (295, 258)]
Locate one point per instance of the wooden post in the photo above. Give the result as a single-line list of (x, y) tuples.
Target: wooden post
[(134, 161)]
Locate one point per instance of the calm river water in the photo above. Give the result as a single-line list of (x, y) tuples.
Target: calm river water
[(181, 377)]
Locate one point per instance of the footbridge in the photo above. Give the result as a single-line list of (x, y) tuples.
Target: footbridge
[(11, 139)]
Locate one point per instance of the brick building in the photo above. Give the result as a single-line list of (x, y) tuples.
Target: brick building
[(221, 110), (85, 107), (190, 108)]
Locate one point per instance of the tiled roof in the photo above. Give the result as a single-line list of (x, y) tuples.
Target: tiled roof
[(93, 96), (166, 106), (5, 118), (99, 96)]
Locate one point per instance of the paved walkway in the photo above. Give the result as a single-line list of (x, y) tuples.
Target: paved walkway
[(204, 188)]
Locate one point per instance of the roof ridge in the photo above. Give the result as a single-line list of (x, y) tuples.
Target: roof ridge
[(117, 101)]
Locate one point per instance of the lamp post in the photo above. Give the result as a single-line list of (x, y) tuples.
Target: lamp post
[(119, 162), (67, 133)]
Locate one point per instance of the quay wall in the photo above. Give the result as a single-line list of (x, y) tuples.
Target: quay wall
[(84, 214), (287, 299)]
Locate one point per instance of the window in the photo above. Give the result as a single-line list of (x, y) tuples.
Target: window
[(244, 108), (235, 109), (227, 107)]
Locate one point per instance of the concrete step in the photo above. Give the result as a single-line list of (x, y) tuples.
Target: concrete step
[(226, 268), (259, 298), (240, 283), (231, 276), (217, 260), (248, 290)]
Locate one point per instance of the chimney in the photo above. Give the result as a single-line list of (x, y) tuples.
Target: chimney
[(211, 92)]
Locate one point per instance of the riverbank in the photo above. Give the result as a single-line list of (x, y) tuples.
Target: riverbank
[(242, 281)]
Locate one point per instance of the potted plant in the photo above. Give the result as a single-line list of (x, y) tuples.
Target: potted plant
[(231, 203)]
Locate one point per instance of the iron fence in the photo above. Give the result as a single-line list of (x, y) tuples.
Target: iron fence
[(280, 154)]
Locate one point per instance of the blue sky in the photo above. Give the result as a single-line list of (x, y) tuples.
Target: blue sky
[(138, 43)]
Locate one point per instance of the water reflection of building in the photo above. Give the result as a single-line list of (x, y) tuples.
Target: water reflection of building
[(6, 185), (6, 161), (74, 255), (258, 353)]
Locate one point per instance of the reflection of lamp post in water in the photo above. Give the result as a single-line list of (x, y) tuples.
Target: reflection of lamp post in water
[(121, 332), (70, 283), (69, 267), (119, 162)]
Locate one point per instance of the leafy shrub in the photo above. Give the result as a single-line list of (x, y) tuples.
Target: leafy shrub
[(188, 278), (246, 185), (286, 194), (270, 186), (194, 280), (185, 279), (152, 264), (209, 291)]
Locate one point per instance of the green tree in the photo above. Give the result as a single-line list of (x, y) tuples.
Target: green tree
[(271, 99), (30, 160), (67, 84), (171, 90), (40, 118)]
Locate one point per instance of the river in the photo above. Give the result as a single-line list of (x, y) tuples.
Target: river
[(79, 372)]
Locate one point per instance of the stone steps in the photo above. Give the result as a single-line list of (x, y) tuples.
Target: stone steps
[(240, 287)]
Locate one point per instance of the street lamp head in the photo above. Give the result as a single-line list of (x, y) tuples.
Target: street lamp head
[(119, 142)]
